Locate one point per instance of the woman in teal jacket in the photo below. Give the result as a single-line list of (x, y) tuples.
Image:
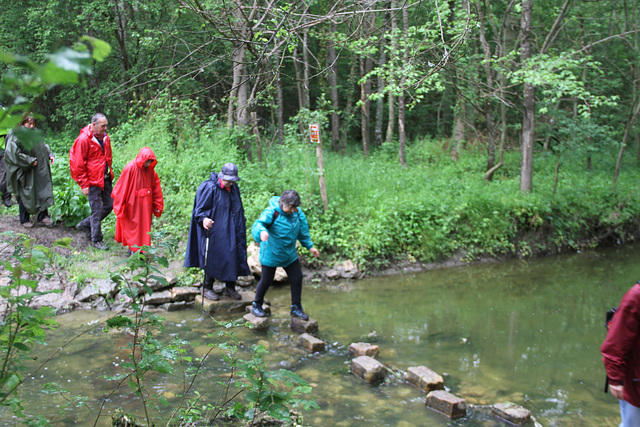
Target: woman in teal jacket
[(277, 230)]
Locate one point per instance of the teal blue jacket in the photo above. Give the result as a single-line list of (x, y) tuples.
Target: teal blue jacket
[(279, 250)]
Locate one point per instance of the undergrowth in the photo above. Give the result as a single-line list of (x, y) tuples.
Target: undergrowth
[(380, 211)]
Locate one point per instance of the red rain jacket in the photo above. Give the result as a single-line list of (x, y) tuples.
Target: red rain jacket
[(136, 196), (621, 348), (87, 159)]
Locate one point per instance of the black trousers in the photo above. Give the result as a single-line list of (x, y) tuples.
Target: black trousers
[(208, 282), (24, 214), (294, 272), (101, 204), (3, 180)]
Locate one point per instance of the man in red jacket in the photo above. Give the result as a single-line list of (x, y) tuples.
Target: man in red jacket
[(90, 164), (137, 196), (621, 354)]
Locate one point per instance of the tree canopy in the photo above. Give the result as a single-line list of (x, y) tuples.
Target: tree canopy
[(493, 74)]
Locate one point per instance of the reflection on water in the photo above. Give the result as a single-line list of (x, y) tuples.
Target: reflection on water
[(522, 331)]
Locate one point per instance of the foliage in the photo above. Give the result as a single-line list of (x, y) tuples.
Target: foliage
[(268, 392), (22, 326), (71, 206), (26, 79)]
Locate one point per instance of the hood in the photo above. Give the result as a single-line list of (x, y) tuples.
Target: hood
[(213, 176), (275, 203), (145, 154), (87, 131)]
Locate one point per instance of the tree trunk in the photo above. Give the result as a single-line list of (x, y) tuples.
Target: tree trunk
[(256, 133), (280, 107), (402, 136), (332, 77), (305, 63), (528, 103), (300, 87), (625, 138), (365, 88), (458, 129), (380, 100), (489, 76), (348, 108), (392, 76)]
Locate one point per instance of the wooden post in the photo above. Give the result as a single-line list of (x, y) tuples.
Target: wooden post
[(314, 131)]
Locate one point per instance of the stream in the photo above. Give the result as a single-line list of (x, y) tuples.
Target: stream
[(527, 332)]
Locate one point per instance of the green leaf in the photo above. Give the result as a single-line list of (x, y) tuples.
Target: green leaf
[(120, 322), (22, 347), (52, 75), (101, 49)]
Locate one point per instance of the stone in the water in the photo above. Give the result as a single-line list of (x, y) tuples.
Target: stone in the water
[(311, 343), (224, 304), (309, 326), (258, 323), (357, 349), (512, 413), (369, 369), (158, 298), (424, 378), (446, 403), (184, 293)]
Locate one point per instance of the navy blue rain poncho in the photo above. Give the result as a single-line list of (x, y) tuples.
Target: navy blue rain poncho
[(227, 254)]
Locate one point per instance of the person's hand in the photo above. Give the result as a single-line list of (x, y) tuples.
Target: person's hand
[(52, 159), (207, 223), (314, 252), (35, 163), (264, 235), (617, 391), (85, 191)]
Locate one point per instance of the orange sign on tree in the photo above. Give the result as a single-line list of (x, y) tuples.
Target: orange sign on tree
[(314, 132)]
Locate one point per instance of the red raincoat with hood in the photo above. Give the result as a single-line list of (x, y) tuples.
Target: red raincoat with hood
[(136, 197), (87, 159)]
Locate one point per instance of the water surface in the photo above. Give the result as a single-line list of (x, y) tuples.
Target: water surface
[(528, 332)]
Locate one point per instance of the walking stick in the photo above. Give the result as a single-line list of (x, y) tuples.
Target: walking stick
[(206, 256)]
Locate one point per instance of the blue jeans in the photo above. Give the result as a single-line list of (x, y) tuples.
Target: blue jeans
[(630, 414)]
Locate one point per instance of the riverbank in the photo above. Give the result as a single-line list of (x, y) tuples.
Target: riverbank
[(78, 266)]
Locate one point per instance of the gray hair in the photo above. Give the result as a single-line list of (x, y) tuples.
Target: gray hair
[(290, 198), (97, 116)]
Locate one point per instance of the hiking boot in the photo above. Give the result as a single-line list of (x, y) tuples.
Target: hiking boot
[(256, 310), (46, 221), (7, 202), (296, 311), (232, 293), (209, 294), (86, 230), (100, 245)]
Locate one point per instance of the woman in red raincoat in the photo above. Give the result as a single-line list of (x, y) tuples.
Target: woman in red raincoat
[(136, 196)]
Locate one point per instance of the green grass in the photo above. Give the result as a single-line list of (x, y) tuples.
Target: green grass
[(380, 211)]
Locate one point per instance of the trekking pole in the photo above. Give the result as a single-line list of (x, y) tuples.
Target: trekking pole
[(206, 255)]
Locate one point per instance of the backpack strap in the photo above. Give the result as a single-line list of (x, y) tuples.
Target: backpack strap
[(275, 216)]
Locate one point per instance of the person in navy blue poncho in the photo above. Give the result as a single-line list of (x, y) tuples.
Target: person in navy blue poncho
[(217, 235)]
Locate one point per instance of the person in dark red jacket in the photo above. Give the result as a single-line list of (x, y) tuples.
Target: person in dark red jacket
[(621, 354), (137, 196), (90, 164)]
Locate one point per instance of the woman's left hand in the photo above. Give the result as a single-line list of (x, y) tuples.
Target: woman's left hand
[(314, 252)]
